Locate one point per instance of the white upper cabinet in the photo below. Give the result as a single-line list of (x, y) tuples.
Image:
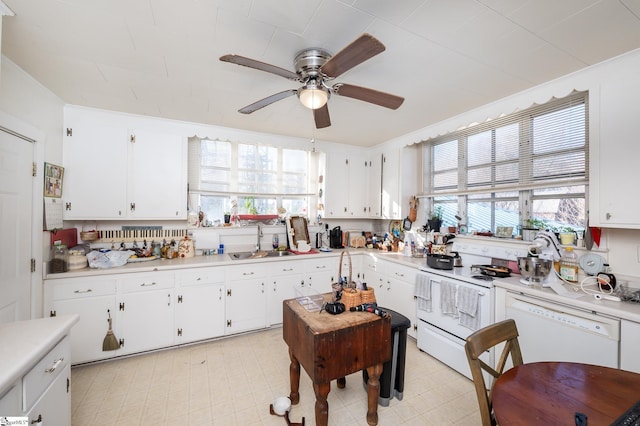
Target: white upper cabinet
[(346, 187), (614, 157), (117, 168), (391, 185)]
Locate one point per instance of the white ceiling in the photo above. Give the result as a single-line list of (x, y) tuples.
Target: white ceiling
[(160, 57)]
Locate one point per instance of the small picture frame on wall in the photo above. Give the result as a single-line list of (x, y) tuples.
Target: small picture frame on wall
[(53, 180)]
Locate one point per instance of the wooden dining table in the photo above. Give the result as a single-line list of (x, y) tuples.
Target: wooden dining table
[(551, 393)]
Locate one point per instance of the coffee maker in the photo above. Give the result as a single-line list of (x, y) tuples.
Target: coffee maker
[(335, 238)]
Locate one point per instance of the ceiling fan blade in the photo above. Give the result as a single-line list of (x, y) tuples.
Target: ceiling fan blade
[(261, 66), (267, 101), (321, 116), (386, 100), (364, 47)]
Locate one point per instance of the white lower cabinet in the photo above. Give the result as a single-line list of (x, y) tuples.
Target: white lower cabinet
[(629, 348), (92, 298), (54, 407), (282, 282), (246, 298), (397, 291), (200, 305), (145, 312)]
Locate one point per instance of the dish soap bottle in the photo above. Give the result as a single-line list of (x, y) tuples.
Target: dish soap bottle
[(569, 265)]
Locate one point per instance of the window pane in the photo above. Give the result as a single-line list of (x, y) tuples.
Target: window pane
[(562, 129), (560, 207), (508, 142), (294, 160), (485, 212), (445, 156), (215, 153), (295, 206), (214, 207), (479, 149), (256, 205)]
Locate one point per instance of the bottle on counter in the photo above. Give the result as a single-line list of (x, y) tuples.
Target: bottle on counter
[(569, 265)]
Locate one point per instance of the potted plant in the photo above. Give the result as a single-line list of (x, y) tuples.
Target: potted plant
[(531, 228), (227, 217), (435, 219), (567, 235)]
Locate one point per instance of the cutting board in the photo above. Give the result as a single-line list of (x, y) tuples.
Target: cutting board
[(68, 237)]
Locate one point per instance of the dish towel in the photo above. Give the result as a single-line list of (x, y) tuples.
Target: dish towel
[(448, 299), (423, 292), (469, 307)]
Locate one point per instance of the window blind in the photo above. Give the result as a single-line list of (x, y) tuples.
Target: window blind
[(540, 147)]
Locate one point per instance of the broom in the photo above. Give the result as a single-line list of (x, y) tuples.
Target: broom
[(110, 343)]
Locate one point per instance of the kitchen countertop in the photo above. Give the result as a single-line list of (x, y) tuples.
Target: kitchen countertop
[(623, 310), (23, 343)]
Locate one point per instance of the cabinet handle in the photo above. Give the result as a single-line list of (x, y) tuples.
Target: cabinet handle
[(55, 365), (180, 299), (83, 291), (399, 274), (229, 292), (37, 421), (321, 267), (220, 294), (263, 287), (132, 207), (148, 285), (247, 273), (287, 269)]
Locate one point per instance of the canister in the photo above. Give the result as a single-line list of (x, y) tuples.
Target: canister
[(76, 260), (59, 259)]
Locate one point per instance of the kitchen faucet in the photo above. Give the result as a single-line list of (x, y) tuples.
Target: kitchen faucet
[(260, 235)]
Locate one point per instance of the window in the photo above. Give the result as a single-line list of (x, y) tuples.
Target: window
[(506, 172), (258, 179)]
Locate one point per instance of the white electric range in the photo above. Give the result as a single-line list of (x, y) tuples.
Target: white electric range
[(461, 301)]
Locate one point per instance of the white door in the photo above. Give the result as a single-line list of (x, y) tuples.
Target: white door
[(16, 189)]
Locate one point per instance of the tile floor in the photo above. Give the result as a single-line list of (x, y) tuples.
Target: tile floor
[(232, 381)]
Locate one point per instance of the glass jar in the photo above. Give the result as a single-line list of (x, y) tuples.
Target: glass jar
[(59, 259)]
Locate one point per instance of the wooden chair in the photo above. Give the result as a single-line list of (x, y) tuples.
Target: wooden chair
[(480, 341)]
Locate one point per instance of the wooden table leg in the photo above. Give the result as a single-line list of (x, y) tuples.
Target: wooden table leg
[(322, 406), (294, 378), (373, 392)]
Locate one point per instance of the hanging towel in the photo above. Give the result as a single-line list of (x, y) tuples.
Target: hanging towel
[(448, 299), (423, 292), (469, 307)]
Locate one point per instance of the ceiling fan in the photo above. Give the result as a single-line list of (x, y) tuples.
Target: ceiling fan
[(315, 67)]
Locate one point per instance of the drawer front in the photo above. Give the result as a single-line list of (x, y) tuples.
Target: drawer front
[(201, 276), (286, 268), (38, 379), (146, 282), (402, 273), (313, 266), (78, 288), (246, 272)]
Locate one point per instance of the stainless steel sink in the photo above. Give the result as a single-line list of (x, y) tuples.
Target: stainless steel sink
[(244, 255)]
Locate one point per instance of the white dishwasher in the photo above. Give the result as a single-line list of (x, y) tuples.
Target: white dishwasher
[(555, 332)]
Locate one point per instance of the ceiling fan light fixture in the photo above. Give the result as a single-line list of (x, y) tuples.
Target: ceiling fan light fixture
[(313, 95)]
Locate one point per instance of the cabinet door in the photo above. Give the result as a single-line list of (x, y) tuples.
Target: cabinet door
[(391, 185), (375, 186), (246, 305), (92, 298), (358, 201), (10, 401), (629, 349), (145, 311), (200, 312), (618, 155), (337, 186), (284, 276), (54, 407), (157, 184), (95, 177)]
